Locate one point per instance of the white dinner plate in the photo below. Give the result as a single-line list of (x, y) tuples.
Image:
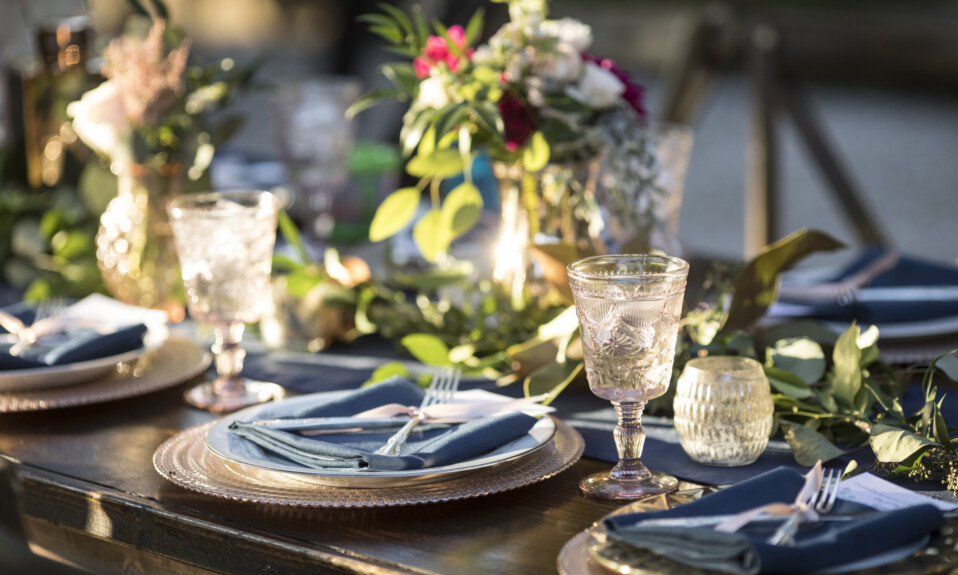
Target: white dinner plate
[(238, 451), (78, 372)]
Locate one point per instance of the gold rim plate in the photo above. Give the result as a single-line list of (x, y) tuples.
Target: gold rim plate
[(185, 461)]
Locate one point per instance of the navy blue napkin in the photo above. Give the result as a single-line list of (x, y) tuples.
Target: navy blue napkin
[(82, 345), (907, 272), (430, 446), (747, 552)]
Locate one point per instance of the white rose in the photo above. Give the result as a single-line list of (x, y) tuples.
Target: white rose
[(99, 119), (432, 93), (598, 87), (569, 31), (565, 65)]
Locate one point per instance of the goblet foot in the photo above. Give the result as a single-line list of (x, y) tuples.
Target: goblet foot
[(203, 396), (605, 486)]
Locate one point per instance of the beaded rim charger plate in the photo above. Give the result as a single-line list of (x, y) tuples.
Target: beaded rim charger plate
[(590, 553), (175, 361), (185, 460), (218, 441)]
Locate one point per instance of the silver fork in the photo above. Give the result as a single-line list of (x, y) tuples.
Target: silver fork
[(822, 502), (441, 389)]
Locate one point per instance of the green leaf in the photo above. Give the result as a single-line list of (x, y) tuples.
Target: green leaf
[(757, 286), (941, 432), (302, 281), (535, 156), (787, 383), (385, 371), (847, 379), (399, 16), (489, 117), (376, 19), (948, 364), (427, 348), (800, 356), (474, 27), (390, 33), (415, 123), (394, 213), (887, 402), (448, 120), (894, 445), (72, 244), (551, 379), (291, 235), (462, 353), (439, 164), (431, 236), (403, 75), (808, 446), (284, 264), (422, 29), (371, 98), (436, 277), (461, 209)]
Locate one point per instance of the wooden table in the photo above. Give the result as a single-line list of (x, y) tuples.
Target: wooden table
[(90, 494)]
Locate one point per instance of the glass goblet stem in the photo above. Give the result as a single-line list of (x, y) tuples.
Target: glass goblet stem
[(229, 356), (629, 441)]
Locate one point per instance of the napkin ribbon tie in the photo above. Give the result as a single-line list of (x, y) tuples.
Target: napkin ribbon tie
[(452, 412), (813, 482)]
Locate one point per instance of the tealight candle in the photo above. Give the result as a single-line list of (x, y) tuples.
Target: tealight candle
[(723, 410)]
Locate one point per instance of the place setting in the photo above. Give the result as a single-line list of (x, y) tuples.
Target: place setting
[(777, 522), (63, 354), (388, 444)]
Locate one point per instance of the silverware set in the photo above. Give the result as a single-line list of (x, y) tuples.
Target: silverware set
[(441, 390), (822, 502)]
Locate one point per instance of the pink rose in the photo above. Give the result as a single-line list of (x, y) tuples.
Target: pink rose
[(437, 52)]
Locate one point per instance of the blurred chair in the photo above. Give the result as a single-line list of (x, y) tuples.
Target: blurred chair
[(781, 50)]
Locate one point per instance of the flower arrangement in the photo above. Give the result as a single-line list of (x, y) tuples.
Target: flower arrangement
[(153, 107), (532, 98), (150, 120)]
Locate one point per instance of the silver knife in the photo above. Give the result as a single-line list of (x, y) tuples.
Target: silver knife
[(330, 423), (704, 521)]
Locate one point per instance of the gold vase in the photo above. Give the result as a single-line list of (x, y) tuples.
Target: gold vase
[(135, 248)]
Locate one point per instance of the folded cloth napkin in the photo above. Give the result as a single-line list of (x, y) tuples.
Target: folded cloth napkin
[(430, 446), (747, 552), (72, 347), (897, 300)]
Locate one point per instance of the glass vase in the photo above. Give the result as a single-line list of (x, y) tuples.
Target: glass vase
[(555, 206), (135, 247), (723, 410), (644, 217)]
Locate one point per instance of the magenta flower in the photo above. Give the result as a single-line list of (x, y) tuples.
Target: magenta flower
[(437, 52), (517, 121), (634, 93)]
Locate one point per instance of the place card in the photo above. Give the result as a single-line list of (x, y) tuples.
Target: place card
[(884, 495)]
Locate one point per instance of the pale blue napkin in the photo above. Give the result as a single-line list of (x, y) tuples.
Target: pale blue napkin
[(430, 446), (747, 552)]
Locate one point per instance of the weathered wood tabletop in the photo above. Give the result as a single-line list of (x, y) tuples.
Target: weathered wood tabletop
[(90, 493)]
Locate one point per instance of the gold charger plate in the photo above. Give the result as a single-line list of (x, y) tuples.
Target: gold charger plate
[(175, 361), (589, 553), (185, 460)]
